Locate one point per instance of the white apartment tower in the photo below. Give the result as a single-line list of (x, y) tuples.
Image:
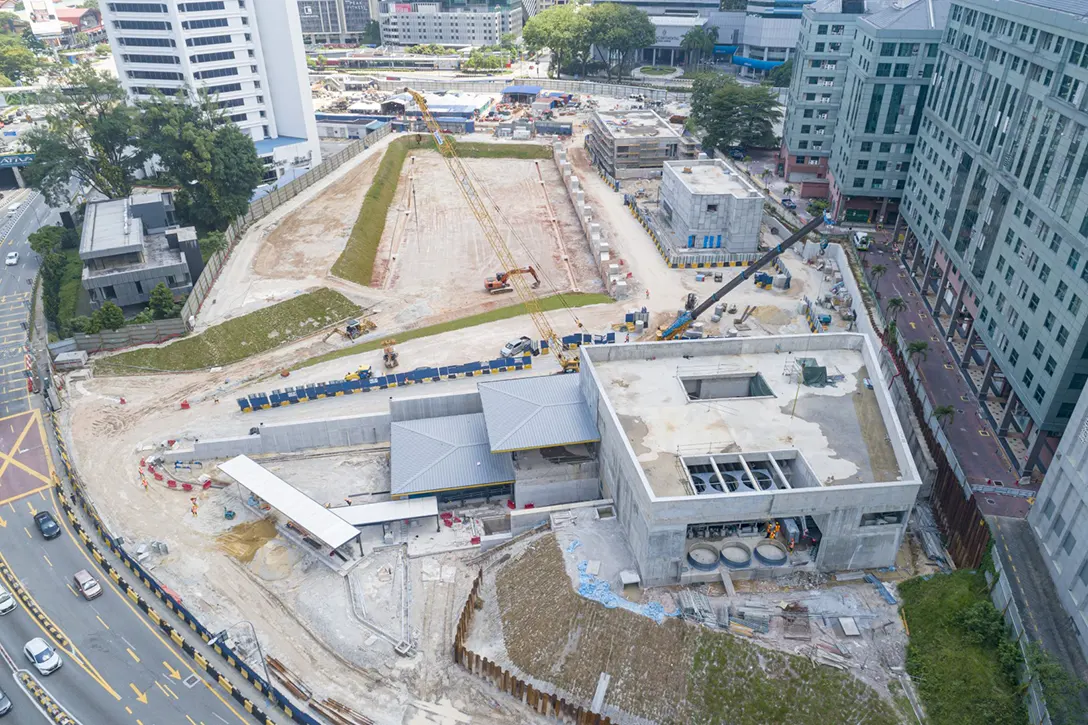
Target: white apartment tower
[(219, 46)]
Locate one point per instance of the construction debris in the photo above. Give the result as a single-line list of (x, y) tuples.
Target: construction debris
[(338, 713), (289, 679)]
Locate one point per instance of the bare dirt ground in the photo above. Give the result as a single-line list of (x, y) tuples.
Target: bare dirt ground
[(434, 256)]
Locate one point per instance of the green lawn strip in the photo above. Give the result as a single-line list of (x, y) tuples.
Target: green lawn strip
[(657, 70), (555, 302), (238, 338), (70, 287), (959, 679), (356, 262)]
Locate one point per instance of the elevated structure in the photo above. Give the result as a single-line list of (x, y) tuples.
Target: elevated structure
[(708, 204), (129, 246), (634, 144)]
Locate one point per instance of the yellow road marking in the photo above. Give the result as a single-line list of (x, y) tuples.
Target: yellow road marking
[(47, 561), (140, 696), (192, 721), (128, 709), (103, 623), (111, 585), (132, 654), (30, 506), (15, 448), (27, 533), (73, 589), (27, 493)]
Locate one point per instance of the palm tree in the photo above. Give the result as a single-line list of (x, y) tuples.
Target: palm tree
[(788, 191), (894, 308), (699, 41), (877, 272), (918, 348), (944, 414)]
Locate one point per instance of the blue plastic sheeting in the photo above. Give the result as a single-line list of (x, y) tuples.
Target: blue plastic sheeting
[(522, 90), (600, 591), (756, 64)]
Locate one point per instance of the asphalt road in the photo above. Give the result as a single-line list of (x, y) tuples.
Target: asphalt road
[(118, 668)]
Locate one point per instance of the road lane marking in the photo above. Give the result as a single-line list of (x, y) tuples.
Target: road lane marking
[(102, 621), (47, 561), (73, 590), (173, 673), (132, 654), (112, 586), (27, 533), (172, 694), (191, 721), (128, 709), (140, 696), (30, 505)]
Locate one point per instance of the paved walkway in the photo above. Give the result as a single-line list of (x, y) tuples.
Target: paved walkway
[(973, 439)]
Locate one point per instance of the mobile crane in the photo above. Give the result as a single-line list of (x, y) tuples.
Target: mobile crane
[(501, 281), (567, 361), (677, 328)]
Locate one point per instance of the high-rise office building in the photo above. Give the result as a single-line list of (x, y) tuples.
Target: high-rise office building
[(998, 208), (333, 21), (246, 54), (449, 22)]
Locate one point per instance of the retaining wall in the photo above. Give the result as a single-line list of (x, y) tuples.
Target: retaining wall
[(131, 335), (434, 406), (493, 85), (608, 265)]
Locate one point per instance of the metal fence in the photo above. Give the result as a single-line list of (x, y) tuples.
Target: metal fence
[(1001, 594), (495, 85), (262, 207)]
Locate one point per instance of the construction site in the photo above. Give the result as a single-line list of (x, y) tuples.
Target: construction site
[(712, 486)]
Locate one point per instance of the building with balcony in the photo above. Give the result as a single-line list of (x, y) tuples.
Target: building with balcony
[(246, 55), (449, 22), (129, 246), (635, 144), (997, 208)]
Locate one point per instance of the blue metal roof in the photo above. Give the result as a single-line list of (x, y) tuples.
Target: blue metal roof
[(522, 90), (536, 412), (266, 146), (438, 454), (754, 63)]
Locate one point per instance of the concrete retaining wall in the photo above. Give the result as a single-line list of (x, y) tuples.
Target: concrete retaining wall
[(544, 492), (352, 430), (434, 406), (607, 264)]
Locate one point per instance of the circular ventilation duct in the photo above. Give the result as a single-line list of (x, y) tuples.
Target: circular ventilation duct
[(736, 555), (703, 557), (763, 478), (771, 553)]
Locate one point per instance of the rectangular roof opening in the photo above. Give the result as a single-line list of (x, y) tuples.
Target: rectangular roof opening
[(718, 386)]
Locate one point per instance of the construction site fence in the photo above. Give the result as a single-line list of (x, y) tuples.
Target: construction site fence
[(130, 335), (694, 260), (168, 599), (1002, 597), (262, 207), (958, 517), (536, 699), (496, 85)]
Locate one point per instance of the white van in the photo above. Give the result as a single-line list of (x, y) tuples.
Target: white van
[(14, 208), (861, 240)]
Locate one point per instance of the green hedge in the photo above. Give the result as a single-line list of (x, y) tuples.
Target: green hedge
[(356, 262), (70, 289)]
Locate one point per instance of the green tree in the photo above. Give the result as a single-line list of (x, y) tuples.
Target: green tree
[(145, 316), (918, 348), (92, 4), (11, 23), (1062, 690), (779, 76), (876, 273), (894, 308), (211, 243), (618, 30), (699, 41), (161, 302), (91, 133), (817, 206), (45, 240), (788, 190), (730, 114), (102, 50), (109, 316), (33, 44), (564, 29), (17, 62), (213, 163), (373, 33), (944, 414)]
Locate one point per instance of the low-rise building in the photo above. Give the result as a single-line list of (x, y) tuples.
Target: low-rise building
[(707, 204), (81, 26), (129, 246), (634, 144), (446, 23)]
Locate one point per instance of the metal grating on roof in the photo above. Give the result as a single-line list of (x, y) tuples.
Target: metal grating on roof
[(438, 454), (537, 412)]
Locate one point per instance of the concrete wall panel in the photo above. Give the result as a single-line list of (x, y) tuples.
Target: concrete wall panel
[(434, 406)]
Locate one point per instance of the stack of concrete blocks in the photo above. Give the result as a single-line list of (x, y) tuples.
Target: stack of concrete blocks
[(607, 265)]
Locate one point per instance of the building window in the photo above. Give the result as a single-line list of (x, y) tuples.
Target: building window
[(109, 293), (1048, 322), (199, 7), (859, 182), (137, 7), (1023, 331), (1039, 394), (1063, 288), (1028, 378), (1033, 303), (863, 165), (212, 57), (1066, 409), (711, 207), (1044, 273), (1037, 351), (1069, 542), (142, 25), (208, 40), (1051, 365), (1063, 335), (883, 518), (201, 24), (1014, 357), (1077, 381), (887, 49), (866, 146)]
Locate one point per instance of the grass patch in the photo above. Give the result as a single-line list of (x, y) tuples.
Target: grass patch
[(555, 302), (960, 675), (239, 338), (668, 673), (356, 262), (34, 304), (657, 70), (70, 289)]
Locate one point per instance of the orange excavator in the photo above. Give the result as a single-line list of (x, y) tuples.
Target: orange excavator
[(501, 282)]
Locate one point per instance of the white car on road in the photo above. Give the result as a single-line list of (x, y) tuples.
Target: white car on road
[(12, 259), (42, 656)]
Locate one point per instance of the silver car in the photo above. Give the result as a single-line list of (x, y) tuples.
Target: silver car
[(44, 658), (7, 602), (521, 346)]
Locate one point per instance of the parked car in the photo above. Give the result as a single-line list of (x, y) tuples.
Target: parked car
[(87, 585), (520, 346), (5, 704), (789, 203), (44, 658), (47, 524), (737, 153), (7, 602), (12, 259)]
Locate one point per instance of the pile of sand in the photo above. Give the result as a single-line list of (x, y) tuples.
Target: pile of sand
[(244, 540), (770, 315)]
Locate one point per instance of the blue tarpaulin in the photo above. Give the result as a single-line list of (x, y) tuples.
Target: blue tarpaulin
[(522, 90), (757, 64)]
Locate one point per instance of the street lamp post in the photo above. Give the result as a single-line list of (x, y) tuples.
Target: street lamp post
[(223, 635)]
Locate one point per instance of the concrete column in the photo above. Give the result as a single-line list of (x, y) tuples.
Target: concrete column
[(1006, 415), (939, 304), (917, 254), (1033, 453), (881, 215), (987, 378), (1006, 388), (929, 269), (954, 324), (655, 56), (972, 336), (18, 177), (895, 232)]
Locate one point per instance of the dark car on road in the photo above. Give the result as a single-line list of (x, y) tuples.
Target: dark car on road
[(5, 704), (789, 203), (47, 524)]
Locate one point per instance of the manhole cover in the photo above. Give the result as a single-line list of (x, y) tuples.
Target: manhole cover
[(191, 681), (991, 501)]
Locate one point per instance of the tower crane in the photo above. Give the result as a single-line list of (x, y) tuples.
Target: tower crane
[(567, 361)]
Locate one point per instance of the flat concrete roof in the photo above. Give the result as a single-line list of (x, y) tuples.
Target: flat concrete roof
[(368, 514), (635, 124), (109, 229), (839, 428), (712, 177), (319, 521)]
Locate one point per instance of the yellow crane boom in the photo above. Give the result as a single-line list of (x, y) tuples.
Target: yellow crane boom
[(494, 237)]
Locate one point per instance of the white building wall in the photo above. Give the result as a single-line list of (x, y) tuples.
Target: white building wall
[(424, 23), (219, 45)]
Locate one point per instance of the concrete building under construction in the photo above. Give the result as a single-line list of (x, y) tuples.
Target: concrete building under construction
[(635, 144), (708, 204), (752, 455)]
